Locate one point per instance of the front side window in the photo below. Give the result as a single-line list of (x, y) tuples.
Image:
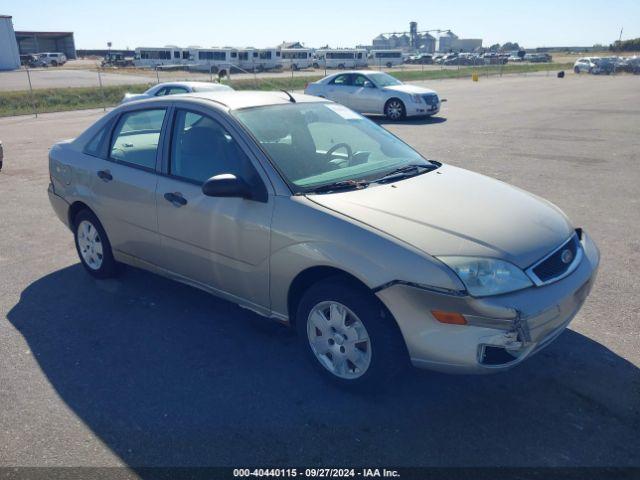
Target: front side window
[(136, 136), (359, 80), (201, 148), (317, 144)]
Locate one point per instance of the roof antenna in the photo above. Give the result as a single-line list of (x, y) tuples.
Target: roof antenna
[(291, 99)]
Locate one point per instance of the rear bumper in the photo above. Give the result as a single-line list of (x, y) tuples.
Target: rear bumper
[(502, 331), (59, 205)]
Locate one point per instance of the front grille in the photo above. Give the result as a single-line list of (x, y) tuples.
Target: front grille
[(430, 99), (554, 266)]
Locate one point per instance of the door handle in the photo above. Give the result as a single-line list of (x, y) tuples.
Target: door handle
[(105, 175), (175, 198)]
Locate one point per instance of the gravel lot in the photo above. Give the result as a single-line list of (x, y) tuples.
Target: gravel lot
[(141, 371)]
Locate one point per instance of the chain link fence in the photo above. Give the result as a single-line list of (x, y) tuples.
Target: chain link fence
[(84, 84)]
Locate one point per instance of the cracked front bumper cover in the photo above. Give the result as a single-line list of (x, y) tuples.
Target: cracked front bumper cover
[(518, 324)]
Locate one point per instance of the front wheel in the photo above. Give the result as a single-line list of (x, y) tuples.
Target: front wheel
[(394, 109), (93, 246), (576, 70), (349, 336)]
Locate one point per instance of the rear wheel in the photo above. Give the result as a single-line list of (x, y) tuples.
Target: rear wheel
[(93, 246), (394, 109), (348, 334), (389, 65), (54, 63), (341, 66)]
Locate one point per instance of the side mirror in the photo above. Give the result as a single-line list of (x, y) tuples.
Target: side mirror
[(226, 185), (368, 84)]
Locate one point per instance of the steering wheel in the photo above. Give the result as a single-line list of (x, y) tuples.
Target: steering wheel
[(337, 146)]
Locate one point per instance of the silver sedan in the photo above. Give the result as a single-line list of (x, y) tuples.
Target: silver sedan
[(376, 93), (173, 88)]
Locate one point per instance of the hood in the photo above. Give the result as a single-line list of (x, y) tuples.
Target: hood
[(410, 89), (452, 211)]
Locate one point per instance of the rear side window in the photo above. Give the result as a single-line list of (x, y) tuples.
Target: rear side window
[(136, 136), (341, 80)]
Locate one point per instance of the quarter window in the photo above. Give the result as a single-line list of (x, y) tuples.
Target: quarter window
[(201, 148), (136, 136)]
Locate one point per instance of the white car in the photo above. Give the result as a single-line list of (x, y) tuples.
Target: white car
[(376, 93), (173, 88), (53, 59), (586, 64)]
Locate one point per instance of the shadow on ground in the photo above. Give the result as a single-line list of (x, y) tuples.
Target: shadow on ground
[(382, 121), (167, 375)]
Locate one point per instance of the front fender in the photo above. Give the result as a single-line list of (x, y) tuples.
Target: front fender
[(307, 235)]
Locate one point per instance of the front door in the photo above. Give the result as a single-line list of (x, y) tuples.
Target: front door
[(220, 242)]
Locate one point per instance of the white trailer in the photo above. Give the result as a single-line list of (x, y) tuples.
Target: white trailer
[(251, 59), (214, 60), (385, 58), (340, 58), (295, 58), (153, 57)]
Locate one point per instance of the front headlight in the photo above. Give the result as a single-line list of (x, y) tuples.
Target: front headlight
[(487, 276), (416, 98)]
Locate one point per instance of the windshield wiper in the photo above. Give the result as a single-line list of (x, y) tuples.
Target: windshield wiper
[(405, 172), (343, 185)]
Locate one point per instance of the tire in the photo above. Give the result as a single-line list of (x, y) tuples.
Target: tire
[(362, 330), (316, 66), (93, 246), (389, 65), (394, 109), (341, 66), (54, 63), (576, 70)]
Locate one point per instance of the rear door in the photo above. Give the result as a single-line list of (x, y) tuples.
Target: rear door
[(340, 90), (124, 184), (219, 242)]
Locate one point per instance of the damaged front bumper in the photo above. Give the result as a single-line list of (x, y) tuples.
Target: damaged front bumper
[(500, 331)]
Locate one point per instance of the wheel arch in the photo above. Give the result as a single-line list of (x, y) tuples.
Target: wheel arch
[(75, 208), (310, 276)]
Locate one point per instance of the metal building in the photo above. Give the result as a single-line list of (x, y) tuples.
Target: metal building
[(39, 42), (9, 56)]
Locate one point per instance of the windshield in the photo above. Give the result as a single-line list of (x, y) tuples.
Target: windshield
[(316, 144), (384, 80)]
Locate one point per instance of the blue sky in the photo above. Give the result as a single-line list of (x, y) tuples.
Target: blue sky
[(343, 23)]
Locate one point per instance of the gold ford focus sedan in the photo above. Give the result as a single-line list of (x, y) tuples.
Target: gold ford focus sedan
[(303, 211)]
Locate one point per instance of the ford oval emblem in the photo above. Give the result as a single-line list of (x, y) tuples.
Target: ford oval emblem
[(566, 256)]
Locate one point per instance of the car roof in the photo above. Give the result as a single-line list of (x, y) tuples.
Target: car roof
[(235, 100), (186, 84)]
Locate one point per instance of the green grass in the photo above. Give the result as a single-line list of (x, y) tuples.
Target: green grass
[(299, 82), (61, 99)]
